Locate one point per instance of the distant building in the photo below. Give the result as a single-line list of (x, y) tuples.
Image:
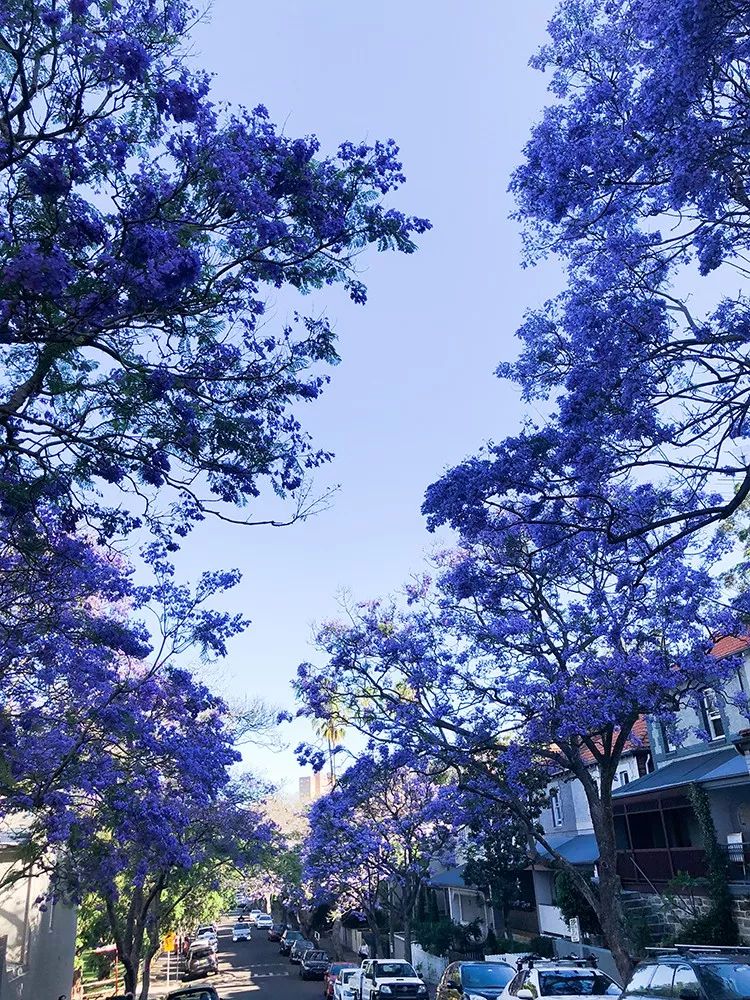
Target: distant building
[(37, 946), (312, 788)]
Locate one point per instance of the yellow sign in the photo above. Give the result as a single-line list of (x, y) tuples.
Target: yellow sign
[(169, 943)]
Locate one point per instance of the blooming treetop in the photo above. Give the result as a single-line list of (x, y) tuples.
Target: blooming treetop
[(373, 837), (139, 226), (529, 660), (637, 177)]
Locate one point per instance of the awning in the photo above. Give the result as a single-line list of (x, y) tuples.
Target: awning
[(723, 766), (580, 849), (451, 878)]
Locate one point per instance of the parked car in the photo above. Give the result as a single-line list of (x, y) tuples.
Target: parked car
[(300, 946), (332, 973), (287, 940), (201, 961), (561, 978), (314, 964), (693, 973), (399, 978), (207, 933), (474, 980), (275, 931), (347, 984), (263, 921), (241, 931), (193, 993)]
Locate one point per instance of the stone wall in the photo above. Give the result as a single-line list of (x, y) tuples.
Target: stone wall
[(672, 918), (742, 916)]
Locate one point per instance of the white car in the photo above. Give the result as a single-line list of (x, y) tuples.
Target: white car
[(207, 935), (241, 931), (263, 921), (347, 984), (563, 980), (381, 976), (253, 917)]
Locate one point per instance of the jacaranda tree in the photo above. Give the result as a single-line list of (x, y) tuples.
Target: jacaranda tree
[(140, 227), (637, 179), (167, 820), (530, 662), (372, 839)]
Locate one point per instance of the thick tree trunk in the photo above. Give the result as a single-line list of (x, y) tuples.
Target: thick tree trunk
[(608, 905), (407, 936), (130, 977), (146, 977)]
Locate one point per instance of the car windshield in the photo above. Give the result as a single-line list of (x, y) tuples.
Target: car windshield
[(725, 980), (195, 994), (394, 969), (568, 982), (202, 931), (346, 974), (293, 935), (241, 927), (201, 953), (487, 974), (316, 956)]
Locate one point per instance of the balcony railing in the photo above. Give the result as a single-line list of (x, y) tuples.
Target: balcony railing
[(659, 865)]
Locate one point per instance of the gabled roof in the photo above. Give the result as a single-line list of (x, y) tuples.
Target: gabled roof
[(728, 645)]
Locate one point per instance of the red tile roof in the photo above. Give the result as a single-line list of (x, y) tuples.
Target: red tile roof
[(730, 644), (640, 741)]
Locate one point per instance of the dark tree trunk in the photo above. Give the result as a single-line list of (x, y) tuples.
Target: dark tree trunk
[(607, 901), (407, 936)]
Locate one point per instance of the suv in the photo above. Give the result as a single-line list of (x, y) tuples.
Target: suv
[(332, 973), (692, 972), (561, 978), (300, 946), (474, 980), (314, 964), (275, 932), (399, 977), (193, 993), (241, 931), (287, 940), (201, 961)]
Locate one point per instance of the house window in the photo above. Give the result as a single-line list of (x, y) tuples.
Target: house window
[(624, 777), (556, 807), (667, 745), (712, 715)]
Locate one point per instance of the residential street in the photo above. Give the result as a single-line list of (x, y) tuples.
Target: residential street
[(254, 969)]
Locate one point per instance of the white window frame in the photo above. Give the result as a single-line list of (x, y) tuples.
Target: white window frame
[(555, 807), (713, 715)]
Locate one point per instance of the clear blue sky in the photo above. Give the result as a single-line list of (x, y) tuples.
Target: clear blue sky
[(415, 391)]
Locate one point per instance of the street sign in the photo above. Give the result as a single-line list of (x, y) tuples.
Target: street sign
[(169, 943)]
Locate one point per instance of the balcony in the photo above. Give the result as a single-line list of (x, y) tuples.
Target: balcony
[(656, 866)]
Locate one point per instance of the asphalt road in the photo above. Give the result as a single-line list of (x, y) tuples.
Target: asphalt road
[(254, 970)]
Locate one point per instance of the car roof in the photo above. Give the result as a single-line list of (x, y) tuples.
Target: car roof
[(484, 964), (190, 991), (704, 958)]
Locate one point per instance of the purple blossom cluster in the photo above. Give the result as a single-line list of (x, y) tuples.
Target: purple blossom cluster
[(141, 227), (373, 838)]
